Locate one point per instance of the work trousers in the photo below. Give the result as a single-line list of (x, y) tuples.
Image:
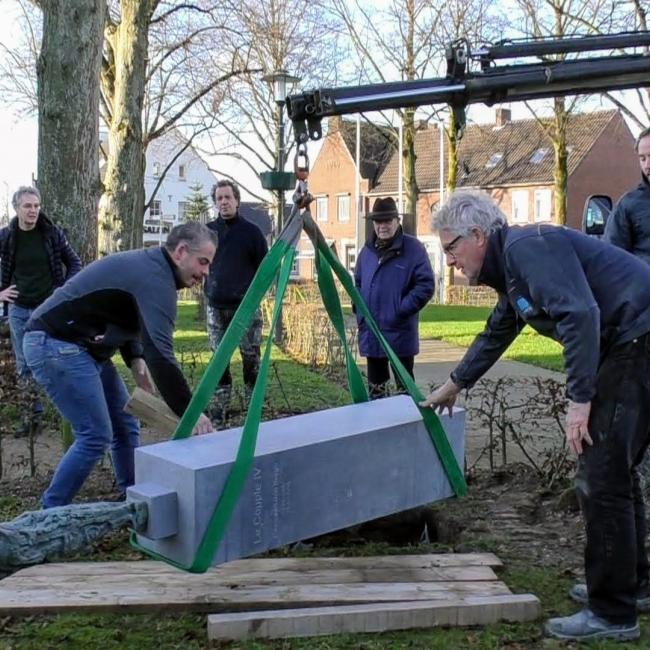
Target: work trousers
[(607, 482)]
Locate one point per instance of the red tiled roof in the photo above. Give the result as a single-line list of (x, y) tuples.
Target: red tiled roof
[(517, 141)]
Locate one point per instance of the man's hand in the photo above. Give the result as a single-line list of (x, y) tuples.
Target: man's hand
[(202, 426), (9, 294), (577, 432), (443, 398), (141, 375)]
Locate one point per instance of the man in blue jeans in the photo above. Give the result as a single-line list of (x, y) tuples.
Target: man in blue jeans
[(36, 258), (125, 302)]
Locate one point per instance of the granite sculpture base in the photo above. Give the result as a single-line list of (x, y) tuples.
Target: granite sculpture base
[(312, 474)]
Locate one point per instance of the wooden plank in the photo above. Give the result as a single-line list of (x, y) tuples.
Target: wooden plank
[(266, 565), (156, 594), (290, 623), (259, 577), (153, 411)]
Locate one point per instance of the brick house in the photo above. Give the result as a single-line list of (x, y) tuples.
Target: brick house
[(513, 161), (333, 183)]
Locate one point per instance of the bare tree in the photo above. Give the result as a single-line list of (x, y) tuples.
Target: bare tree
[(68, 112), (289, 35), (562, 18), (151, 84), (632, 21)]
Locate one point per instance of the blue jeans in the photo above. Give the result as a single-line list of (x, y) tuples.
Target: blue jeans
[(18, 317), (91, 396)]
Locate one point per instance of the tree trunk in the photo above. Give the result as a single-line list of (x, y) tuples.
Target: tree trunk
[(409, 223), (560, 174), (68, 72), (452, 180), (122, 205)]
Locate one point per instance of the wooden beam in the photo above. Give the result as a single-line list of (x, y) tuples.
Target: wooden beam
[(152, 411), (374, 617)]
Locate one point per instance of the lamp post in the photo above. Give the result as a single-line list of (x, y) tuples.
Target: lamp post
[(280, 80)]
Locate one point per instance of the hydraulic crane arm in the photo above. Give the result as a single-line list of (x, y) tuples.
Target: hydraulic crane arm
[(492, 84)]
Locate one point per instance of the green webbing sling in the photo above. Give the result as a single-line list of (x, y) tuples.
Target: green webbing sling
[(326, 261), (282, 255)]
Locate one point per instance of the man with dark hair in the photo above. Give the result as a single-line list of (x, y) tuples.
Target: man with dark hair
[(595, 300), (242, 248), (125, 301), (36, 259), (629, 224)]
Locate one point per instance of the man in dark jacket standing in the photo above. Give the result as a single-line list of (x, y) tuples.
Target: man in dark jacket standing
[(595, 300), (629, 224), (394, 275), (36, 258), (242, 248)]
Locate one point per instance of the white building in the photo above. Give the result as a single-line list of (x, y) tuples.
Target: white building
[(172, 196)]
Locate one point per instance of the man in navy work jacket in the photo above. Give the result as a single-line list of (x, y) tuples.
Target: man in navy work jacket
[(594, 299), (125, 302), (394, 276)]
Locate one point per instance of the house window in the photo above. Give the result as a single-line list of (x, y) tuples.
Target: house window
[(295, 268), (542, 205), (156, 170), (495, 159), (520, 206), (181, 172), (182, 207), (538, 156), (350, 257), (155, 210), (343, 207), (321, 208)]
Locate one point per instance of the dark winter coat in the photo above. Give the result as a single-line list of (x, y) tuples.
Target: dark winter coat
[(242, 248), (63, 261), (629, 224), (395, 287), (576, 289)]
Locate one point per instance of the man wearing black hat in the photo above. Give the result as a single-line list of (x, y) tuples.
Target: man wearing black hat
[(395, 279)]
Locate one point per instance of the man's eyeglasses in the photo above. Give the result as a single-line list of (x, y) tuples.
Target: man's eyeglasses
[(451, 246)]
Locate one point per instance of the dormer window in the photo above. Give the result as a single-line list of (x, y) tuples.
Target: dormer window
[(495, 159), (538, 156)]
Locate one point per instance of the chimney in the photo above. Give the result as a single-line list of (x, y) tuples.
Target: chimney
[(334, 123), (421, 125), (502, 116)]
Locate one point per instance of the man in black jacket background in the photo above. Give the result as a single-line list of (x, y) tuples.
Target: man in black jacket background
[(36, 258), (242, 248), (629, 224)]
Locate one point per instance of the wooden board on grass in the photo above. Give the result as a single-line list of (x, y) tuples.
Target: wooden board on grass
[(247, 584), (374, 617)]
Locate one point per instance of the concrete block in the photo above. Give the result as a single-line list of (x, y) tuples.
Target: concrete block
[(312, 474), (162, 509)]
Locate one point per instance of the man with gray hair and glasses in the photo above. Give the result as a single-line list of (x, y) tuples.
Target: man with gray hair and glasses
[(36, 258), (125, 302), (595, 300)]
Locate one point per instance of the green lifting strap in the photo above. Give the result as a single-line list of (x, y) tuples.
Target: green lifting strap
[(281, 253), (281, 256), (329, 261)]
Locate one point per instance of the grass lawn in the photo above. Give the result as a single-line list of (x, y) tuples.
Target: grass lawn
[(291, 387), (459, 325)]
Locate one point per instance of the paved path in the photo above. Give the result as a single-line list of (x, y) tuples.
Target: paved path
[(438, 358)]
